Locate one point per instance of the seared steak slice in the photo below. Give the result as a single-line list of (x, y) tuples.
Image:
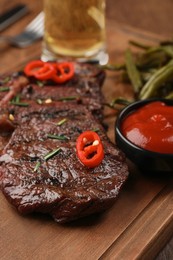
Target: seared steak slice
[(86, 93), (61, 186), (87, 81), (84, 88)]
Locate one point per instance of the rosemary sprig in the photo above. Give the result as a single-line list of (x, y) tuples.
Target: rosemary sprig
[(37, 166), (69, 98), (51, 154), (58, 137), (117, 101), (61, 122), (47, 157), (7, 79), (21, 104), (4, 89), (95, 130), (16, 101)]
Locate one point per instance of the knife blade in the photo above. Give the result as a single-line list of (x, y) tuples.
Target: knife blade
[(12, 15)]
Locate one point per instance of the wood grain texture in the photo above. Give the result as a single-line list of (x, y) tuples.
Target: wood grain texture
[(148, 15), (141, 221)]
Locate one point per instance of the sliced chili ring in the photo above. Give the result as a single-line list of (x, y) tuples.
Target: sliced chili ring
[(89, 149), (58, 72), (65, 71), (32, 67), (46, 72)]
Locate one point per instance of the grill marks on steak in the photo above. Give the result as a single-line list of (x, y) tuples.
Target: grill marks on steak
[(61, 186), (86, 93), (85, 87)]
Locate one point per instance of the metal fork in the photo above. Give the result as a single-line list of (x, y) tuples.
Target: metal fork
[(31, 33)]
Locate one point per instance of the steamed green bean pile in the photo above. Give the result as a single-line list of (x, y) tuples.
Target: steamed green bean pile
[(150, 71)]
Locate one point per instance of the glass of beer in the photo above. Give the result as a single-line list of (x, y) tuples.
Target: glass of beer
[(74, 29)]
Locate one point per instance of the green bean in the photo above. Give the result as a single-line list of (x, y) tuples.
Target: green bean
[(168, 50), (132, 71), (166, 42), (170, 95), (150, 72), (146, 75), (166, 46), (139, 45), (154, 59), (159, 77)]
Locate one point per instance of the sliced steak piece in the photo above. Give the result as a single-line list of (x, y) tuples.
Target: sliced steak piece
[(84, 88), (60, 186), (87, 93), (87, 82)]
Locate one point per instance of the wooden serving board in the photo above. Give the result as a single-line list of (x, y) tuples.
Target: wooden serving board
[(136, 227)]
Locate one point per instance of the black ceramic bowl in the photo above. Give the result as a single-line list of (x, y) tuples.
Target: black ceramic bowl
[(147, 161)]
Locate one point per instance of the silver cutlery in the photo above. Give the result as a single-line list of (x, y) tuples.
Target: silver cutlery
[(12, 15), (31, 33)]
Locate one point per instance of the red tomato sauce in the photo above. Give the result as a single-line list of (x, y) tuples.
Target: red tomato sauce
[(151, 127)]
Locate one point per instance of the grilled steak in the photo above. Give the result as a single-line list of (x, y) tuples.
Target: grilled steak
[(60, 185), (84, 88)]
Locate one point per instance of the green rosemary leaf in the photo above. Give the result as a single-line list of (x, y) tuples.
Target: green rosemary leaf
[(4, 89), (37, 166), (20, 104), (95, 130), (61, 122), (67, 98), (117, 101), (58, 137), (6, 79), (17, 99), (51, 154)]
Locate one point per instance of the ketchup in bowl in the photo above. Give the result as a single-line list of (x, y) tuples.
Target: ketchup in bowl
[(150, 127), (144, 132)]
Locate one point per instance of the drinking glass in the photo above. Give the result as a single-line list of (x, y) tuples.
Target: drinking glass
[(74, 29)]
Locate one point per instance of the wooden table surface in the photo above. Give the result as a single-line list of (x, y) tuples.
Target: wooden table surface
[(140, 225)]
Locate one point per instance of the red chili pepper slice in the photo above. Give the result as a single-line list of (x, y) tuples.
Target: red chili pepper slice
[(89, 149), (32, 67), (58, 72), (65, 71), (40, 70), (46, 72)]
